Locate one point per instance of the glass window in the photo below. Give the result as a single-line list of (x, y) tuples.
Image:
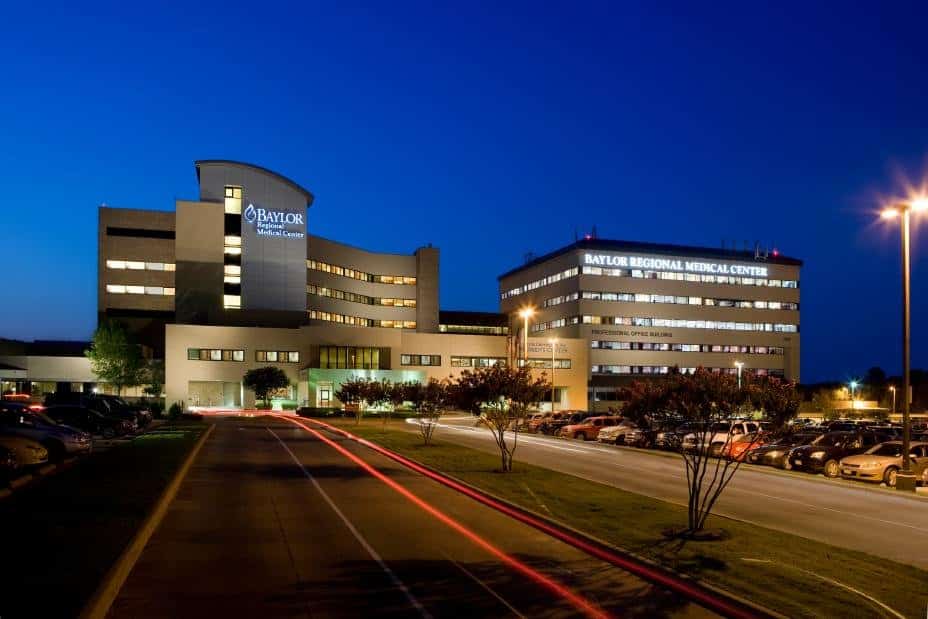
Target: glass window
[(135, 289), (116, 289), (133, 265), (116, 264), (193, 354), (215, 355), (293, 357)]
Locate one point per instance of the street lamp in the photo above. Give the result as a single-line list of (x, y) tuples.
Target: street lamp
[(553, 341), (853, 386), (905, 479), (893, 389), (739, 365), (526, 313)]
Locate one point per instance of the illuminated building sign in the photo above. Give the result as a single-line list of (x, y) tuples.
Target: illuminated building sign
[(272, 222), (673, 264)]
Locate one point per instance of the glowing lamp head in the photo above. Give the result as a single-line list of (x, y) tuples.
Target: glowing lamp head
[(889, 213), (853, 384), (526, 312), (919, 204)]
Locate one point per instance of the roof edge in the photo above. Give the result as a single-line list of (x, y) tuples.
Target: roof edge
[(244, 164)]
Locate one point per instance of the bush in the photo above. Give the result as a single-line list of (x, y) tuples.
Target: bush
[(176, 410), (319, 411), (288, 406), (156, 407)]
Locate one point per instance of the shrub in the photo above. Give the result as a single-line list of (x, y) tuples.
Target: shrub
[(156, 407), (176, 410)]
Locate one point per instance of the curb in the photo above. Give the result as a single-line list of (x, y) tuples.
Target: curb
[(102, 599), (700, 593)]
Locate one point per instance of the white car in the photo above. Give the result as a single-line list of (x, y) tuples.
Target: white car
[(715, 438), (626, 433)]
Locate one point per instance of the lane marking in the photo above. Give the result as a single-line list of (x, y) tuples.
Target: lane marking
[(735, 488), (723, 603), (487, 587), (577, 600), (357, 535)]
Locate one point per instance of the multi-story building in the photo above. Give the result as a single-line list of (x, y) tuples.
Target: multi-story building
[(234, 280), (643, 308)]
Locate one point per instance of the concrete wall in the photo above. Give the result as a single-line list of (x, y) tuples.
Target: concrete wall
[(199, 256)]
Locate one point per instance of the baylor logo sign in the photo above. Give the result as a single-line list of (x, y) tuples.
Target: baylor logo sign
[(271, 222)]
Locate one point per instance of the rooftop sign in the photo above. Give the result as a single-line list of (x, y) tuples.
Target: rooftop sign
[(673, 264)]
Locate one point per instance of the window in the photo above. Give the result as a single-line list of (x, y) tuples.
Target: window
[(325, 267), (277, 356), (359, 321), (233, 200), (351, 357), (420, 360), (477, 362), (215, 354), (538, 283)]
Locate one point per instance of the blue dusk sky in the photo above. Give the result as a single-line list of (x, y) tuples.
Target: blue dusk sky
[(487, 129)]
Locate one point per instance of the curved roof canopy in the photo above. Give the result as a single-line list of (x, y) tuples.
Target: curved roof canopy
[(256, 168)]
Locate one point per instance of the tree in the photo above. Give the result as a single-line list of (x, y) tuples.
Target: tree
[(115, 357), (154, 376), (351, 394), (265, 380), (506, 395), (395, 393), (429, 402), (376, 393), (776, 398)]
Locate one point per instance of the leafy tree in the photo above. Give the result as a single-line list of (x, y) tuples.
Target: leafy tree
[(506, 395), (429, 402), (265, 380), (821, 401), (115, 357), (351, 394), (776, 398), (154, 376)]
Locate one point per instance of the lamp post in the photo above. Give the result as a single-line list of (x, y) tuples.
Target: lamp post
[(553, 341), (893, 389), (853, 386), (905, 479), (525, 313), (739, 365)]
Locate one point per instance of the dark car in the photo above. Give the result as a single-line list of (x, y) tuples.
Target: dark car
[(89, 420), (8, 463), (824, 454), (108, 406), (671, 436), (142, 415), (565, 418), (776, 453)]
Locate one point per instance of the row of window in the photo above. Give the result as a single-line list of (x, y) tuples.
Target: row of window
[(544, 281), (672, 347), (420, 359), (215, 354), (474, 329), (349, 357), (679, 323), (138, 265), (627, 297), (477, 362), (642, 274), (325, 267), (358, 321), (665, 369), (130, 289), (354, 297), (692, 277), (545, 364), (278, 356)]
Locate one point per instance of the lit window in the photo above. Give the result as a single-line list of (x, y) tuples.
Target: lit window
[(135, 289), (154, 266), (233, 200), (116, 264), (215, 355), (154, 290), (293, 357), (232, 269), (116, 289), (169, 292), (133, 265), (233, 241), (232, 301), (232, 251)]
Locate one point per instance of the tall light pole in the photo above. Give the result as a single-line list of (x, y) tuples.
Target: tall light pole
[(739, 365), (525, 313), (905, 479), (853, 386), (893, 389), (553, 341)]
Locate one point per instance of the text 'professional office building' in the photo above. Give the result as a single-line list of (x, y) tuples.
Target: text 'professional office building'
[(643, 308)]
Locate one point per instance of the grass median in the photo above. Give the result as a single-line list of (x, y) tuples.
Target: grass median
[(61, 535), (786, 573)]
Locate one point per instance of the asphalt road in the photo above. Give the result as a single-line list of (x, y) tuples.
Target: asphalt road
[(274, 521), (878, 521)]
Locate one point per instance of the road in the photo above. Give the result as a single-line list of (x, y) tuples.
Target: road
[(273, 520), (842, 513)]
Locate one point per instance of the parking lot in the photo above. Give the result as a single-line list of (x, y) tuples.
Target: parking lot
[(859, 516)]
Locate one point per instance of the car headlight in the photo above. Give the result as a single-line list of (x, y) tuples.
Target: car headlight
[(818, 455), (774, 453)]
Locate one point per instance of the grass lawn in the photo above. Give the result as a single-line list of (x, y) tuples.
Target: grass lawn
[(780, 571), (62, 534)]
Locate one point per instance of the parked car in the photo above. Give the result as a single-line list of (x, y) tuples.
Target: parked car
[(588, 428), (670, 436), (109, 406), (141, 415), (28, 452), (920, 468), (8, 463), (776, 452), (825, 452), (60, 440), (626, 432), (738, 447), (564, 418), (88, 420), (718, 435), (882, 462)]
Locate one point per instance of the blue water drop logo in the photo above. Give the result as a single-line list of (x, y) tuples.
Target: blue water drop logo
[(250, 213)]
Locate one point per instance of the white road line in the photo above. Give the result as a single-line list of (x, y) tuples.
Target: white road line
[(485, 586), (357, 535), (734, 488)]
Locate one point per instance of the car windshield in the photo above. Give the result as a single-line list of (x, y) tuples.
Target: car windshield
[(893, 450), (831, 439), (43, 418)]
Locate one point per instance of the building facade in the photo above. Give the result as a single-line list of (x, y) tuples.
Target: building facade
[(235, 280), (642, 309)]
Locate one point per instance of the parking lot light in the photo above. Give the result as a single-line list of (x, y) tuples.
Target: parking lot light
[(739, 365), (526, 313)]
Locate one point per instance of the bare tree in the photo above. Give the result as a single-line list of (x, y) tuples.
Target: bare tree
[(429, 401)]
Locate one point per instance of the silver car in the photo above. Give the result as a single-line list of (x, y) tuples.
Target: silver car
[(881, 462), (59, 440)]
